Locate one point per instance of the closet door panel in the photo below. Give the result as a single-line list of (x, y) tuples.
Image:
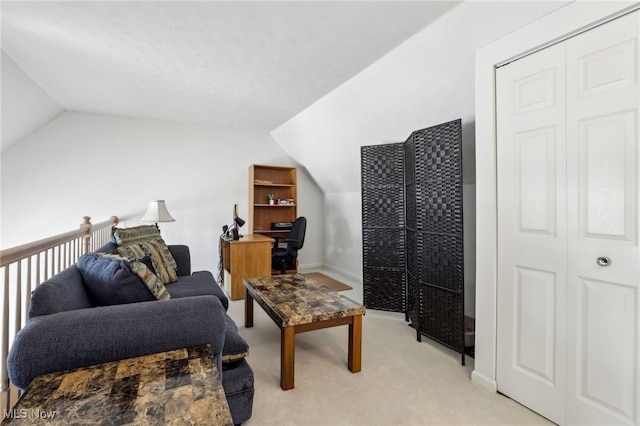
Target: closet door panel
[(532, 232), (606, 364), (534, 301), (536, 192), (603, 377), (606, 148)]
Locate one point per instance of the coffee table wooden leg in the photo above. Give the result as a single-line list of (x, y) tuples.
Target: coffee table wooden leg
[(287, 357), (355, 344), (248, 310)]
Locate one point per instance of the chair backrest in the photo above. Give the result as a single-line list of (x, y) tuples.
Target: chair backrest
[(297, 233)]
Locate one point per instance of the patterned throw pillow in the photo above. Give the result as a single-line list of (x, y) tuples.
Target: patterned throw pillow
[(148, 234), (139, 250)]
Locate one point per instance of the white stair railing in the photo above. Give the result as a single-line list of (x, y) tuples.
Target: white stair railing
[(25, 267)]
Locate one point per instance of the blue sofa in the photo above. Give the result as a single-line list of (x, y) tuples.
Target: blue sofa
[(66, 330)]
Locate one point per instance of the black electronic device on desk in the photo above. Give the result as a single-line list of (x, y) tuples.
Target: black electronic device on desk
[(281, 226), (232, 232)]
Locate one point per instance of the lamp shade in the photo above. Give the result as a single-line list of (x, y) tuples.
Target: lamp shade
[(157, 212)]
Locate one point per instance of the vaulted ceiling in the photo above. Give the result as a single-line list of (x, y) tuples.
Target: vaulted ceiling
[(231, 64)]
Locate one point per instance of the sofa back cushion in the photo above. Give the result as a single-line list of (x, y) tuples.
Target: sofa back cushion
[(64, 291), (113, 280)]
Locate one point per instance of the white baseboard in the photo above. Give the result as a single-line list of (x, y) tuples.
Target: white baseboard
[(483, 381), (345, 274), (310, 267), (339, 273)]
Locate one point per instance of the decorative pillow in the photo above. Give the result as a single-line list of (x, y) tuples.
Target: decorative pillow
[(148, 234), (235, 347), (137, 234), (144, 269), (114, 280), (140, 250)]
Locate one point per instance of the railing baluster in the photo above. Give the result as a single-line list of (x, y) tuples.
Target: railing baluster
[(46, 265), (18, 301), (4, 377), (38, 269), (67, 254), (27, 301), (59, 259)]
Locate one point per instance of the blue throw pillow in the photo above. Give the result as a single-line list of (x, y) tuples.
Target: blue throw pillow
[(112, 280)]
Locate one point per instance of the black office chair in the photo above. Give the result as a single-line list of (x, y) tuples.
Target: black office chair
[(280, 257)]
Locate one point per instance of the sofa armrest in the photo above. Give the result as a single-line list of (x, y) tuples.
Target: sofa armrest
[(79, 338), (183, 258)]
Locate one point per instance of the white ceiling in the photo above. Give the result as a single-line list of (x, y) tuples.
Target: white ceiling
[(232, 64)]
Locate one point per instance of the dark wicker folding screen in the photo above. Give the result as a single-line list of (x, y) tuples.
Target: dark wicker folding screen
[(412, 313), (439, 233), (431, 232), (383, 227)]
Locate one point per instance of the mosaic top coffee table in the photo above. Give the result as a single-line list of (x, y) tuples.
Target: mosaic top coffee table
[(298, 304), (170, 388)]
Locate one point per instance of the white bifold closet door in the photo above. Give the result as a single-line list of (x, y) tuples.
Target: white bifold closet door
[(568, 167)]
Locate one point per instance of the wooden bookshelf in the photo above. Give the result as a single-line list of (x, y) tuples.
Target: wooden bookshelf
[(280, 181)]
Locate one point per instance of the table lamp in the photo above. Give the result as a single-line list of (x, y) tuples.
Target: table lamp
[(157, 212)]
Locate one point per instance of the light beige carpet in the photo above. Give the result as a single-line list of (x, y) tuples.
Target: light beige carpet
[(327, 281), (403, 382)]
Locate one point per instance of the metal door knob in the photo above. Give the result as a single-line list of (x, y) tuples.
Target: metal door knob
[(603, 261)]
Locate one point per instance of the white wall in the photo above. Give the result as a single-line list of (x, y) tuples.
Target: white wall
[(343, 234), (425, 81), (96, 165), (25, 106)]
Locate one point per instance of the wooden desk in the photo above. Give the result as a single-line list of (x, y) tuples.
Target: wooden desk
[(248, 257)]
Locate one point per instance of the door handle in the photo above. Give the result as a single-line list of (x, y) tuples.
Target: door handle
[(603, 261)]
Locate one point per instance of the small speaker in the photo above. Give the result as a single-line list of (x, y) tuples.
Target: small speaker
[(236, 234)]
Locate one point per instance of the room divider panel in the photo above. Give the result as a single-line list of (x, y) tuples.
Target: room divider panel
[(439, 247), (413, 296), (383, 227), (421, 213)]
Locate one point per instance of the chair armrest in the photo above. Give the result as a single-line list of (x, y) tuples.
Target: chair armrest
[(182, 255), (79, 338)]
